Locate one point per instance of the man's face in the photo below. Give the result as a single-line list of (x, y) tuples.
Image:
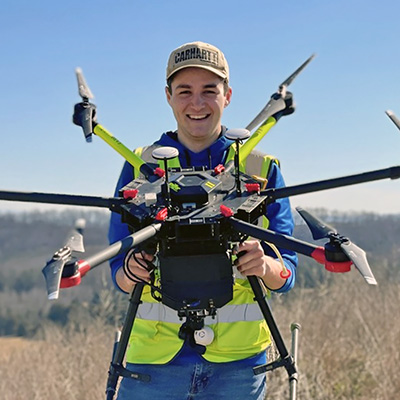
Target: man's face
[(197, 99)]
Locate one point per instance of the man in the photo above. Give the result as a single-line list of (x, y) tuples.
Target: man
[(198, 91)]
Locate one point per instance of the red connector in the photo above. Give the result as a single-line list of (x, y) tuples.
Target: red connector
[(159, 172), (218, 169), (226, 211), (252, 187), (162, 215), (130, 194), (285, 275)]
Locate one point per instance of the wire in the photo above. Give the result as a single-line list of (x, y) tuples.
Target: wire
[(285, 272)]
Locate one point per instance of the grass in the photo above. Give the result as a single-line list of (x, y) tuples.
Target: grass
[(348, 349)]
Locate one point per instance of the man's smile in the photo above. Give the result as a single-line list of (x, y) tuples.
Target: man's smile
[(198, 117)]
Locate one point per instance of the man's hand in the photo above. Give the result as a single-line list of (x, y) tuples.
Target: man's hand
[(250, 259), (135, 268), (253, 262)]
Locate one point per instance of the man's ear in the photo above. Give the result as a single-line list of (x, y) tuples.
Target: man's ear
[(228, 97), (168, 94)]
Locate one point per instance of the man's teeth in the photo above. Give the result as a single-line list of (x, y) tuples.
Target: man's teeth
[(197, 116)]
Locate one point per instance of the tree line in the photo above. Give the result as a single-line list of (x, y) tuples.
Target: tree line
[(28, 240)]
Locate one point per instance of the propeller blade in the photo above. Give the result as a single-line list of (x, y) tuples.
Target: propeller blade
[(276, 103), (359, 259), (318, 228), (292, 77), (75, 237), (393, 117), (83, 87), (53, 270)]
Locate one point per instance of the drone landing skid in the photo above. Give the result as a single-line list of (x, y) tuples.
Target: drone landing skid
[(197, 322)]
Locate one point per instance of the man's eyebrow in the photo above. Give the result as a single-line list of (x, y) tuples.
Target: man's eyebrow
[(183, 86), (188, 86), (211, 85)]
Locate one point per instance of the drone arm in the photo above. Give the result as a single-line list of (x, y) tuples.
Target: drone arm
[(280, 240), (317, 253), (128, 154), (84, 266), (255, 138), (65, 199), (392, 173)]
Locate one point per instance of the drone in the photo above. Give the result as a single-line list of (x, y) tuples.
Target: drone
[(200, 214)]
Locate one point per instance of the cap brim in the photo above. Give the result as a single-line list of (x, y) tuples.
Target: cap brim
[(211, 69)]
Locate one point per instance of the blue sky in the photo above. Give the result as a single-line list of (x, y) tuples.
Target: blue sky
[(339, 127)]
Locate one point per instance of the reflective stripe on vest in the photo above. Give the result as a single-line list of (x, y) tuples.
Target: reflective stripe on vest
[(239, 327), (229, 313)]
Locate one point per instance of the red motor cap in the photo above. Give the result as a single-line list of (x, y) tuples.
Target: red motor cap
[(343, 266)]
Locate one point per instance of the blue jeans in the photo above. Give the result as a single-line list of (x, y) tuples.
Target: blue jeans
[(195, 380)]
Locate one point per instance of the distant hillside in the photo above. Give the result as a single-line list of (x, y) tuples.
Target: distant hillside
[(28, 240), (24, 234), (377, 235)]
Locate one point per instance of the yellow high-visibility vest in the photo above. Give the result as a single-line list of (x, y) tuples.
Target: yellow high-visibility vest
[(240, 330)]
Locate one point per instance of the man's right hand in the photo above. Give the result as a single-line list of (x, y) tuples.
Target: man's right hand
[(134, 269)]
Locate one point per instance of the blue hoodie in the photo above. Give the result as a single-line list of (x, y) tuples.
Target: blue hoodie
[(278, 213)]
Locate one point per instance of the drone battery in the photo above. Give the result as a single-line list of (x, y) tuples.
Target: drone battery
[(195, 187), (196, 281)]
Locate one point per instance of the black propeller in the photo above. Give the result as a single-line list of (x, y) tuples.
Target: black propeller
[(53, 269), (277, 102), (356, 255)]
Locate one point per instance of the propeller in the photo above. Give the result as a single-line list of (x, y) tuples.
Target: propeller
[(83, 87), (355, 254), (393, 117), (89, 109), (277, 102), (54, 268)]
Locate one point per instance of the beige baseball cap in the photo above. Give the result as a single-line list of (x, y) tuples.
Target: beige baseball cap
[(200, 55)]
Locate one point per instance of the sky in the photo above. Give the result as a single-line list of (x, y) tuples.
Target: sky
[(339, 127)]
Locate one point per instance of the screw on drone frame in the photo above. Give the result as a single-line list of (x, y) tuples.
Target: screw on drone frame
[(238, 135), (165, 154)]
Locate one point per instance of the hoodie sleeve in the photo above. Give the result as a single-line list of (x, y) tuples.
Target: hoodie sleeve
[(281, 221), (118, 230)]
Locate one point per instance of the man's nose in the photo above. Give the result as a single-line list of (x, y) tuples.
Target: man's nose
[(197, 101)]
